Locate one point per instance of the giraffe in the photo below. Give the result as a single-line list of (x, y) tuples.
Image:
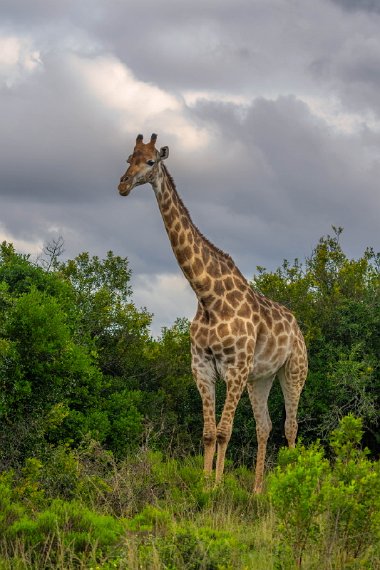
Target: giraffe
[(237, 333)]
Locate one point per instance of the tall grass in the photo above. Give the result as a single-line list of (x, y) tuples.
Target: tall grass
[(82, 509)]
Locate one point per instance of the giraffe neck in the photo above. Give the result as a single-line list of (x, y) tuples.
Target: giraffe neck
[(201, 262)]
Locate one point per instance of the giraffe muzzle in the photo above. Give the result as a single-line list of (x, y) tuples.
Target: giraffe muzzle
[(124, 187)]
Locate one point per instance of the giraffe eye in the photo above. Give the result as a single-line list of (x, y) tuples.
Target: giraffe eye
[(150, 162)]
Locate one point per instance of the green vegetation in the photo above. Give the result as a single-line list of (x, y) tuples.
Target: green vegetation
[(337, 303), (80, 508), (101, 427)]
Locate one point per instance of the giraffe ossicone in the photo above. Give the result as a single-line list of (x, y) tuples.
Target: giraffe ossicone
[(236, 334)]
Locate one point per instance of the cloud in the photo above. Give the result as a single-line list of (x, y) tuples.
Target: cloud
[(138, 104), (270, 110), (355, 5), (289, 169), (21, 245), (354, 74), (18, 59), (166, 295)]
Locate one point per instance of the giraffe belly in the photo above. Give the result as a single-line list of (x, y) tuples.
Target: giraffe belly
[(265, 369), (269, 356)]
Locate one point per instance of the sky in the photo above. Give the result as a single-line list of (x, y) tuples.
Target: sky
[(270, 109)]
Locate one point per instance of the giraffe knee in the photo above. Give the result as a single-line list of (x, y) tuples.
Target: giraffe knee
[(209, 437), (263, 431), (223, 436)]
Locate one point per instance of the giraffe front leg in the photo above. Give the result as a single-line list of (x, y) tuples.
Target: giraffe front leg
[(236, 380), (258, 391), (204, 374)]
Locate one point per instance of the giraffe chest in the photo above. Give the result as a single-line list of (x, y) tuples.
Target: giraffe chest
[(227, 343)]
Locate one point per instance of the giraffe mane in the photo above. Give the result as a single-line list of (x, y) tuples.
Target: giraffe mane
[(214, 249)]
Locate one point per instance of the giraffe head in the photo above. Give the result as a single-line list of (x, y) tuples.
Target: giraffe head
[(143, 164)]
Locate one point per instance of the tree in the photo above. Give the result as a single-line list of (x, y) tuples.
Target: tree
[(42, 364), (120, 336), (77, 359), (337, 303)]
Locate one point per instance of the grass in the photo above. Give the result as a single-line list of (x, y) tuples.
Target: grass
[(82, 509)]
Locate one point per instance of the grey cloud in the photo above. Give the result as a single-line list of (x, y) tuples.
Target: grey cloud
[(29, 15), (210, 44), (289, 175), (366, 5), (242, 47), (130, 227), (273, 178), (353, 72), (250, 48), (57, 145)]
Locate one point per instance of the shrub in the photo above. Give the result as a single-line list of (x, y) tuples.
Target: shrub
[(295, 491), (336, 507), (67, 526), (352, 494)]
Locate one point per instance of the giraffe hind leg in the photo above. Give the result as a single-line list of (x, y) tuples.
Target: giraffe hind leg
[(292, 378), (258, 391)]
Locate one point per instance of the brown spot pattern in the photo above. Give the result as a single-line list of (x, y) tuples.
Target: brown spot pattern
[(235, 330)]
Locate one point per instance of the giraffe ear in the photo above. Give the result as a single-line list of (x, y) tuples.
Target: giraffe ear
[(164, 152)]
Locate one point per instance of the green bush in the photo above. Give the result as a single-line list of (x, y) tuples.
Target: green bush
[(10, 511), (206, 548), (150, 519), (295, 491), (192, 548), (352, 494), (336, 507), (69, 526)]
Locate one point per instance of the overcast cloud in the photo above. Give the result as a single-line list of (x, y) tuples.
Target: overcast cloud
[(270, 108)]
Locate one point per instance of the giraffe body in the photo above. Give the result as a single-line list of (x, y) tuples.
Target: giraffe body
[(237, 334)]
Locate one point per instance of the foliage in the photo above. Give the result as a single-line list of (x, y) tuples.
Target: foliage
[(335, 505), (58, 329), (337, 303), (106, 314), (294, 489), (81, 508), (101, 426), (353, 493), (159, 526), (41, 362), (61, 535), (77, 359)]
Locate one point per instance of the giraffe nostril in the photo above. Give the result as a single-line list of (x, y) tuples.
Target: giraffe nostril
[(124, 178)]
